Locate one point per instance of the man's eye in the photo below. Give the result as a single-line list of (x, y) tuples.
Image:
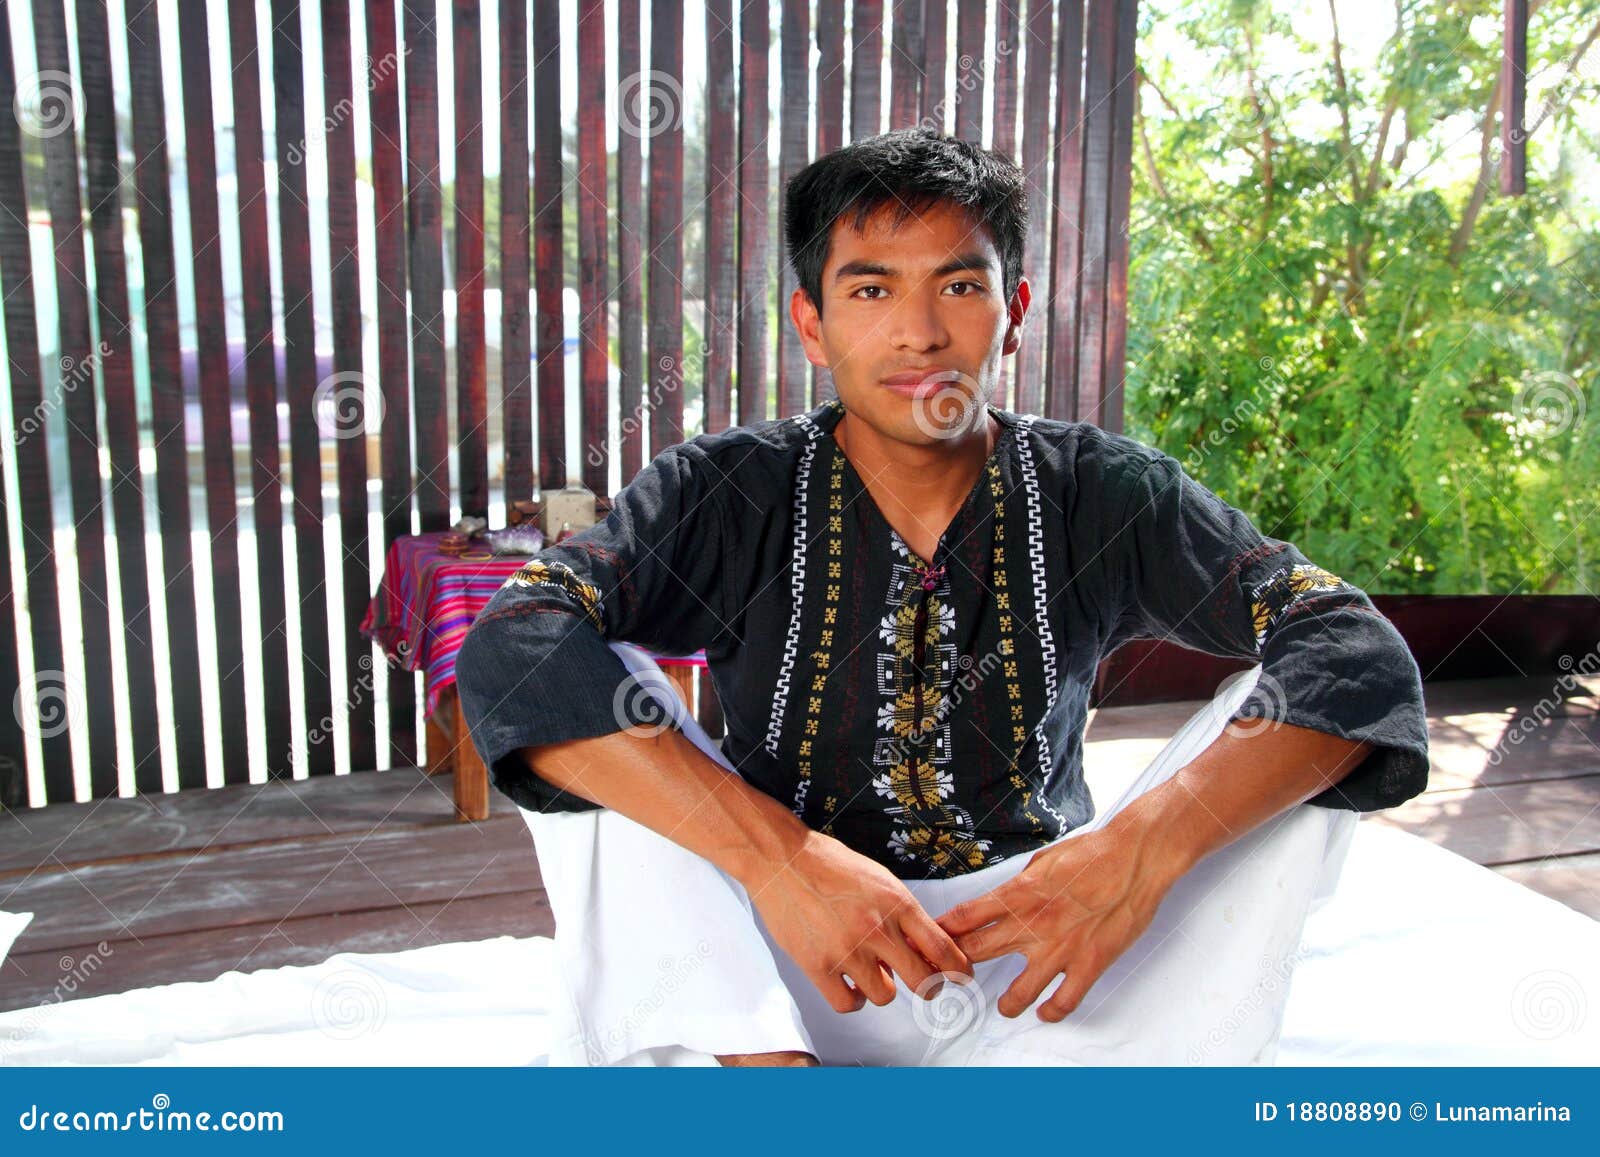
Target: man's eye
[(864, 289), (972, 285)]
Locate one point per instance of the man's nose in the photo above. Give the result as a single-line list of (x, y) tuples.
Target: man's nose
[(915, 323)]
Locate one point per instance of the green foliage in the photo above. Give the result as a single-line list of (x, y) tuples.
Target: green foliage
[(1337, 321)]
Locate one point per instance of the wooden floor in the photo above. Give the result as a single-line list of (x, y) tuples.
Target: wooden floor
[(134, 892)]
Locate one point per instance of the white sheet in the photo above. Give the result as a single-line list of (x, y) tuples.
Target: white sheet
[(1420, 958)]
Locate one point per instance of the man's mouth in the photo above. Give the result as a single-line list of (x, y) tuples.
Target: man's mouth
[(921, 383)]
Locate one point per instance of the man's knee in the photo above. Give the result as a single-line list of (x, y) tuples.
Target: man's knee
[(764, 1060)]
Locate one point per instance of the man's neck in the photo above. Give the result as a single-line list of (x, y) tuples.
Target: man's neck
[(918, 489)]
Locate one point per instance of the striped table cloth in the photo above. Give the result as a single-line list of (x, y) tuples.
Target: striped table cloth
[(426, 600)]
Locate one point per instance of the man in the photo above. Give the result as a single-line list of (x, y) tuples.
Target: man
[(903, 596)]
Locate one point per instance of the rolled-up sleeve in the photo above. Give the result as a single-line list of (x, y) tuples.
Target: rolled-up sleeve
[(1190, 568), (536, 666)]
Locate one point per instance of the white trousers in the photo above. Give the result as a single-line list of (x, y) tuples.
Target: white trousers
[(664, 960)]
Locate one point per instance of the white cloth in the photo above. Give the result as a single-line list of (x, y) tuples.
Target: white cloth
[(664, 960)]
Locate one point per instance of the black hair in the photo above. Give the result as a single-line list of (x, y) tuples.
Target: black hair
[(909, 169)]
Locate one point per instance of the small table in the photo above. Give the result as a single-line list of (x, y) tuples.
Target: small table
[(425, 603)]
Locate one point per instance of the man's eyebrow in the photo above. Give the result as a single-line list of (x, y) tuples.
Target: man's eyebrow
[(971, 260)]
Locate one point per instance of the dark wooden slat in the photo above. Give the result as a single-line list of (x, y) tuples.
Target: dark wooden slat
[(154, 208), (31, 979), (972, 69), (1037, 154), (754, 180), (722, 275), (31, 451), (1007, 61), (1100, 34), (548, 265), (516, 404), (222, 509), (389, 264), (426, 250), (77, 357), (664, 260), (830, 126), (830, 76), (116, 368), (1125, 97), (472, 405), (301, 380), (261, 382), (630, 250), (708, 709), (906, 60), (594, 334), (1061, 364), (159, 292), (935, 98), (866, 69), (347, 418), (793, 154), (1514, 93)]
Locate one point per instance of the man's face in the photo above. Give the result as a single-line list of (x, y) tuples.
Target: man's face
[(923, 304)]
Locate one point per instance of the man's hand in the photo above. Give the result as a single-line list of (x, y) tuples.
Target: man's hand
[(1074, 908), (836, 912)]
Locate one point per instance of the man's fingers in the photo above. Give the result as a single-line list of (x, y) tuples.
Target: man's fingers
[(837, 993), (973, 914), (935, 944), (991, 941), (906, 961), (1025, 989), (1069, 994), (873, 979)]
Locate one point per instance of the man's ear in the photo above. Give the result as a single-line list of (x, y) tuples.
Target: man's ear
[(1016, 311), (808, 324)]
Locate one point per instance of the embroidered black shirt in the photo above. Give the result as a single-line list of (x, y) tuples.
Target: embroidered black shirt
[(929, 713)]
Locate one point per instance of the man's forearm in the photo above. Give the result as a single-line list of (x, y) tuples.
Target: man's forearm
[(1234, 785), (670, 786)]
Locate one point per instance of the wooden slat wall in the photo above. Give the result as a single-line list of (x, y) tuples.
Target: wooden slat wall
[(394, 382), (33, 475), (1074, 151), (104, 186), (345, 416), (261, 382), (211, 339), (302, 381)]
